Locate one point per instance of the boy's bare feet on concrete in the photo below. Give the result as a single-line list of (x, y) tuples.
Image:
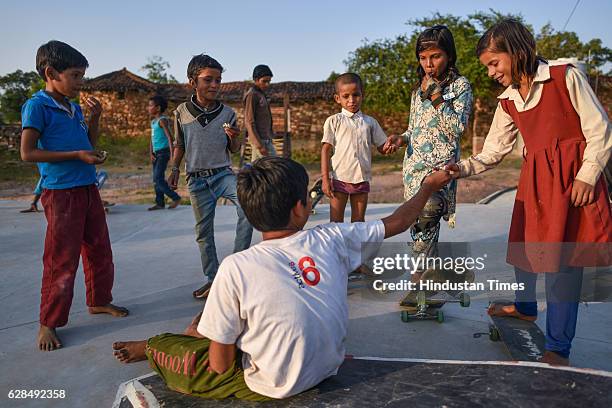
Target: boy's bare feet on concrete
[(174, 204), (33, 208), (552, 358), (498, 309), (110, 309), (130, 351), (47, 339)]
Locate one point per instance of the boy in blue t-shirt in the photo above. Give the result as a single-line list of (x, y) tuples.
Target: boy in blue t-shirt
[(160, 150), (56, 136)]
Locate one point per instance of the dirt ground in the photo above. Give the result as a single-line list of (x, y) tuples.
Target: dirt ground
[(133, 185)]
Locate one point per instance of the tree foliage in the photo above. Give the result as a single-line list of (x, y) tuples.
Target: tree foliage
[(155, 69), (388, 66), (16, 88)]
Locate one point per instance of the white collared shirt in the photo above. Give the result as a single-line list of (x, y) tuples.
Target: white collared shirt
[(594, 123), (352, 135)]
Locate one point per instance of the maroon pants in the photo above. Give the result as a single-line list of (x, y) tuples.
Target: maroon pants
[(76, 226)]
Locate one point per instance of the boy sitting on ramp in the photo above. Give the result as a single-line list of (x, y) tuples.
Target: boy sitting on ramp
[(275, 321)]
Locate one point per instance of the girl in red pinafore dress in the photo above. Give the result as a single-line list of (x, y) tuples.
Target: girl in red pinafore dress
[(561, 220)]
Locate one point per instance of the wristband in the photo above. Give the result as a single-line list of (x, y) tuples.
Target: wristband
[(175, 169)]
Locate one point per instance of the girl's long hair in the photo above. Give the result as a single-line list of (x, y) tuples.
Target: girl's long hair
[(512, 37), (437, 37)]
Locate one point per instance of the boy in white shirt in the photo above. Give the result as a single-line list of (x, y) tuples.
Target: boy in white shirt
[(348, 137), (275, 321)]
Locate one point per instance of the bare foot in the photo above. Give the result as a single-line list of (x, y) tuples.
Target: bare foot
[(192, 329), (174, 204), (111, 309), (130, 351), (552, 358), (47, 339), (33, 208), (497, 309)]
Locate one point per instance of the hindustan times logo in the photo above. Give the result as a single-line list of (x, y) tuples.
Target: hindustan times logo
[(405, 262)]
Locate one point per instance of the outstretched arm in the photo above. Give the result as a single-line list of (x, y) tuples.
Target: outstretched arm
[(407, 213)]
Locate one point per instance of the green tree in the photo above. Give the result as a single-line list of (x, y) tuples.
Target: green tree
[(388, 66), (332, 76), (16, 88), (553, 44), (155, 68)]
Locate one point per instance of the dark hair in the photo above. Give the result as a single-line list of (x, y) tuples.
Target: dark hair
[(348, 78), (438, 36), (160, 101), (512, 37), (261, 71), (269, 189), (199, 62), (59, 56)]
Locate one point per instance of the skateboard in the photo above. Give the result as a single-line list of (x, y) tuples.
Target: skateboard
[(524, 341), (429, 309), (316, 193)]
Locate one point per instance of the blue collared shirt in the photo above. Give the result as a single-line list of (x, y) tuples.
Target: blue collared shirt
[(61, 130)]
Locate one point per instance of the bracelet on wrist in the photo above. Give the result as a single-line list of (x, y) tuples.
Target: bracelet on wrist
[(175, 169)]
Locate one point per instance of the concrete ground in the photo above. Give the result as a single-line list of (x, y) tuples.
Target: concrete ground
[(158, 266)]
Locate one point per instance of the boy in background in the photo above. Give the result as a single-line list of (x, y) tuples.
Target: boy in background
[(56, 136), (206, 134), (348, 138), (257, 114), (161, 153)]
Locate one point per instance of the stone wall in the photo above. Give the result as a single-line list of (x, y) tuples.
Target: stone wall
[(10, 136), (125, 115)]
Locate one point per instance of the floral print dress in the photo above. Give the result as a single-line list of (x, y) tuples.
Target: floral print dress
[(433, 139)]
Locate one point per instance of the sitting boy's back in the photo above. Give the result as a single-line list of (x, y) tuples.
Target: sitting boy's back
[(284, 303)]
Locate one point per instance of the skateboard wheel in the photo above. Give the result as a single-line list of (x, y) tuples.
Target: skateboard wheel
[(440, 316), (313, 195), (464, 300), (494, 333), (405, 316)]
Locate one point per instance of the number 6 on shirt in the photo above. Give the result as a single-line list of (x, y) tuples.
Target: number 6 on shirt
[(310, 274)]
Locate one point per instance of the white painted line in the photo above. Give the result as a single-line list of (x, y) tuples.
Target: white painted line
[(501, 363)]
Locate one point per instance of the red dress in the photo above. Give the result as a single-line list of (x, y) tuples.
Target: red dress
[(546, 231)]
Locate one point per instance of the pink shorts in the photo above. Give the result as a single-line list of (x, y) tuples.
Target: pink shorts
[(350, 188)]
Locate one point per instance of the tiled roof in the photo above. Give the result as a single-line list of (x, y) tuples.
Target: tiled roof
[(124, 80)]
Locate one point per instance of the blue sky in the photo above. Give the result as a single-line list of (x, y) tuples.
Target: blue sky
[(300, 40)]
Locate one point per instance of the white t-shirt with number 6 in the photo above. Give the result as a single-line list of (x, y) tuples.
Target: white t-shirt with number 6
[(283, 302)]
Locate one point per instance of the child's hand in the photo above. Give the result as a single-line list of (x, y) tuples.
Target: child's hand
[(453, 170), (327, 188), (582, 194), (94, 105), (231, 132), (262, 150), (153, 158), (91, 157), (437, 180), (173, 179), (393, 143)]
